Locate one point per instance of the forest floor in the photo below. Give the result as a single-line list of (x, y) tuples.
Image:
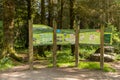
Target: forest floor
[(63, 73)]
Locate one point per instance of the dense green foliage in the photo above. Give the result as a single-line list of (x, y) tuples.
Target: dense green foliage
[(64, 59), (116, 42), (5, 63), (91, 13)]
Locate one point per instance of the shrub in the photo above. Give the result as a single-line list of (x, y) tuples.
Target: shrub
[(5, 63)]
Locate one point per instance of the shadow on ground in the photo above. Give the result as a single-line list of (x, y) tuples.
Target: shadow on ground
[(58, 74)]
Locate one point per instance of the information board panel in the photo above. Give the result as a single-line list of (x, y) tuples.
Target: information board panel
[(42, 36)]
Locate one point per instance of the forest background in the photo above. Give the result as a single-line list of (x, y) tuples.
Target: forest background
[(15, 16)]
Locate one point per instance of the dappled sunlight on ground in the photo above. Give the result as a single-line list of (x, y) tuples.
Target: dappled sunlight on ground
[(59, 74), (66, 79), (63, 73)]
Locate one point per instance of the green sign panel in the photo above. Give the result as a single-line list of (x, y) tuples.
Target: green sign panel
[(44, 36), (107, 38)]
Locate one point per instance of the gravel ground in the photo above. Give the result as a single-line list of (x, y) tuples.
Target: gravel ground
[(43, 73)]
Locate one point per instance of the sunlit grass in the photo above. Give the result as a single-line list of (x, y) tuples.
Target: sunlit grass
[(64, 59), (62, 65), (5, 63), (86, 65), (118, 57), (95, 66)]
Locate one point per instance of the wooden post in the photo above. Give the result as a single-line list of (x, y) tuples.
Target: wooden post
[(30, 44), (77, 45), (102, 48), (54, 43)]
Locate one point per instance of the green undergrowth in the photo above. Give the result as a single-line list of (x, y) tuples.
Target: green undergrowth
[(95, 66), (65, 59), (87, 65), (6, 63), (118, 57)]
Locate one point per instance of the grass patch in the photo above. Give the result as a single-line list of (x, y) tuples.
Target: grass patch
[(6, 63), (62, 56), (62, 65), (95, 66), (118, 57), (64, 59), (86, 65)]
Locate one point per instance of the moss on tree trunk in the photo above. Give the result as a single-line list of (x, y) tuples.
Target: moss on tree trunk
[(8, 29)]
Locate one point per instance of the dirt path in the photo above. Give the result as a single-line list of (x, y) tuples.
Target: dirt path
[(21, 73)]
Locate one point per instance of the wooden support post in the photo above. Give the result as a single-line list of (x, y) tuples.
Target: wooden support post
[(102, 48), (30, 45), (77, 45), (54, 43)]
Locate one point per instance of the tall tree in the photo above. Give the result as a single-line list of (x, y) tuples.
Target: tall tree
[(60, 17), (8, 29), (50, 13), (8, 24), (20, 28), (72, 18), (60, 13), (42, 11), (1, 9)]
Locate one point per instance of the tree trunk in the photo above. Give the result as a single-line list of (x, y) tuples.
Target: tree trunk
[(60, 14), (8, 29), (72, 18), (50, 10), (42, 11), (60, 17)]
